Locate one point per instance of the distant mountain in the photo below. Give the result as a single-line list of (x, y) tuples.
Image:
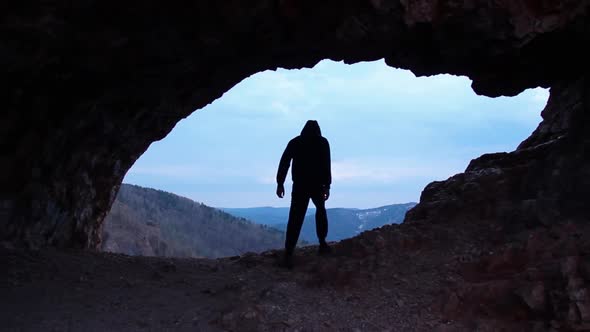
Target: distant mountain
[(343, 222), (377, 217), (151, 222), (270, 216)]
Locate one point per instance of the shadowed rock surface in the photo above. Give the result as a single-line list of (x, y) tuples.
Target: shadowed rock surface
[(531, 205), (503, 246), (91, 84), (485, 250)]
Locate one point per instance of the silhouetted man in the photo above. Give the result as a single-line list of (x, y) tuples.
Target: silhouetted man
[(312, 177)]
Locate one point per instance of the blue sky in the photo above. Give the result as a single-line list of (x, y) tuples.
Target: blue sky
[(390, 133)]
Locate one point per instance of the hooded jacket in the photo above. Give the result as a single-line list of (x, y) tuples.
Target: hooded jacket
[(310, 153)]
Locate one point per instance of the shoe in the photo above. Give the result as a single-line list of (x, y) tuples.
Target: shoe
[(324, 249)]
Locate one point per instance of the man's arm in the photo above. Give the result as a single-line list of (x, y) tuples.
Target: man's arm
[(284, 168), (327, 171), (328, 165)]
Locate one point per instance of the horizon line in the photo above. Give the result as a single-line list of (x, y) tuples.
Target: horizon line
[(261, 206), (313, 207)]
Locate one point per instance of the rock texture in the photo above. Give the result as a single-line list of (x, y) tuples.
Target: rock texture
[(90, 84), (531, 270), (544, 181)]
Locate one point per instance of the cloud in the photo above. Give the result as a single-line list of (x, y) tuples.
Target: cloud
[(205, 172), (268, 178), (385, 126), (388, 171), (384, 171), (374, 88), (188, 172), (270, 93), (370, 182), (175, 171), (539, 95)]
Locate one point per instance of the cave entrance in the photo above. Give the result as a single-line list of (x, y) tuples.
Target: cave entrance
[(391, 133)]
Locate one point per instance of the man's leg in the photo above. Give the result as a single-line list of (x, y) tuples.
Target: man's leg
[(321, 218), (299, 203)]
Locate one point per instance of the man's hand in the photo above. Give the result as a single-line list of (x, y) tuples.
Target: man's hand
[(280, 190), (326, 194)]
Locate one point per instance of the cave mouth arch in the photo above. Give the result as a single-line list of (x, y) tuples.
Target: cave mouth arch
[(391, 134), (94, 83), (360, 107)]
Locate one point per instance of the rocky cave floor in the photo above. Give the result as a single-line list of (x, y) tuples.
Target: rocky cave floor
[(412, 277)]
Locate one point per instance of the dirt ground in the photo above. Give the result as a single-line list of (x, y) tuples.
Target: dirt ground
[(390, 279)]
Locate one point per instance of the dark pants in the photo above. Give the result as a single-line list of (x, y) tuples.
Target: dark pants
[(299, 202)]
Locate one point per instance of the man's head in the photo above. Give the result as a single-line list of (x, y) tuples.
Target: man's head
[(311, 128)]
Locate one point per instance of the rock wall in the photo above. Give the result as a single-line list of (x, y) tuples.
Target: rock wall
[(90, 84), (531, 207), (545, 181)]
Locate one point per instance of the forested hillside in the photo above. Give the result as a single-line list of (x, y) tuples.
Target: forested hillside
[(151, 222)]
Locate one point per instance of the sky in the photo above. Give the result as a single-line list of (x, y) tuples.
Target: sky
[(390, 132)]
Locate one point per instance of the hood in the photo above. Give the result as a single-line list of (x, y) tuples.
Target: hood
[(311, 128)]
